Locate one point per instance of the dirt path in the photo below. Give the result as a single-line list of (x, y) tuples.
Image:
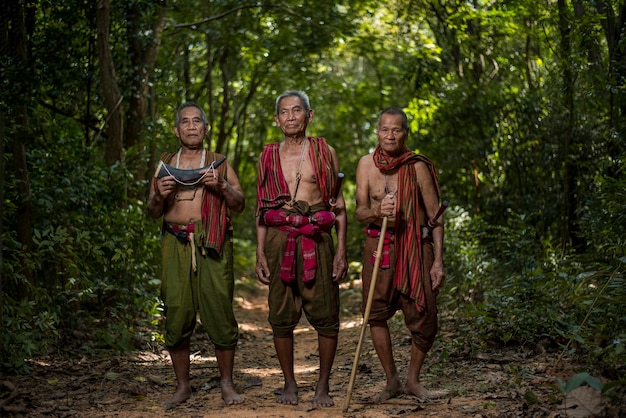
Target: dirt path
[(498, 384)]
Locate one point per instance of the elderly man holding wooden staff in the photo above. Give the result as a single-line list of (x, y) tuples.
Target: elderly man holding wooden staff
[(398, 188)]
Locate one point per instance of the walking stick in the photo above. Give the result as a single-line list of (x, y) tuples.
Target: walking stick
[(366, 314)]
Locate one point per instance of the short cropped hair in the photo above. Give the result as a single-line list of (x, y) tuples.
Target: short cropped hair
[(304, 98), (395, 111), (186, 105)]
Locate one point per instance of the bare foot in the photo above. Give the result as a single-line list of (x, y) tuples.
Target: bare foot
[(229, 395), (418, 390), (181, 395), (388, 393), (322, 398), (288, 396)]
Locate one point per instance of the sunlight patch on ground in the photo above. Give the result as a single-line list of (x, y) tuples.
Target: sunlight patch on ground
[(351, 284), (270, 371), (197, 358), (352, 324), (257, 371), (251, 327), (246, 304)]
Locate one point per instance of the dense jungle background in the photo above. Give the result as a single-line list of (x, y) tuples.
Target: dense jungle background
[(521, 105)]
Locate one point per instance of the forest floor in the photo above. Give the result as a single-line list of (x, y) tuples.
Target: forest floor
[(504, 382)]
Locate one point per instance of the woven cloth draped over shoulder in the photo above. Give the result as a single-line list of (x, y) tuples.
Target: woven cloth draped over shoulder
[(272, 188), (298, 223), (408, 278)]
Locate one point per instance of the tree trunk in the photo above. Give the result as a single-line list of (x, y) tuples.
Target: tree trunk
[(14, 41), (614, 25), (143, 54), (113, 150), (569, 151)]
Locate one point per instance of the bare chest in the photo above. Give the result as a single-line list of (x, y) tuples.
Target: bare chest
[(383, 184)]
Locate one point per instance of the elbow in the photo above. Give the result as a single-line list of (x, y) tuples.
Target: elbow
[(239, 206)]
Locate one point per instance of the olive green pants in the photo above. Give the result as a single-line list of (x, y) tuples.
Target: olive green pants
[(208, 291)]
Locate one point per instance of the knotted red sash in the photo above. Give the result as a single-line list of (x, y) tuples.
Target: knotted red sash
[(296, 225), (385, 260)]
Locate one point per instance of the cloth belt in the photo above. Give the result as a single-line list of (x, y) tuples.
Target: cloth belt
[(185, 233), (296, 225), (373, 231)]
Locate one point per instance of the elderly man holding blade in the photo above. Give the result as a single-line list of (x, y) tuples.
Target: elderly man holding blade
[(194, 196)]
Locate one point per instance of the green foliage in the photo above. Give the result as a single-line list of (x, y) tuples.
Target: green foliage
[(28, 332), (92, 260), (527, 133), (578, 380), (523, 294)]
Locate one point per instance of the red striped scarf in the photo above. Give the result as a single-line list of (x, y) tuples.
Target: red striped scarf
[(408, 278), (214, 210), (272, 188)]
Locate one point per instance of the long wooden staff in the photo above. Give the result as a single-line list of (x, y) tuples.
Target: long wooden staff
[(366, 314)]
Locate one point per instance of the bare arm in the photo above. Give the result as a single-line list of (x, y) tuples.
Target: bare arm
[(262, 268), (431, 203), (160, 189), (364, 212), (340, 262)]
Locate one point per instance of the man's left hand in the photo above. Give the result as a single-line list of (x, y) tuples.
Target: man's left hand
[(340, 267), (437, 276), (213, 180)]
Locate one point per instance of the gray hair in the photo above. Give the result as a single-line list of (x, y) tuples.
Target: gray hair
[(304, 98), (395, 111), (186, 105)]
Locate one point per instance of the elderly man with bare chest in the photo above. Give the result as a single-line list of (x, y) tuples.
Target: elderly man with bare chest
[(197, 252), (395, 183), (296, 256)]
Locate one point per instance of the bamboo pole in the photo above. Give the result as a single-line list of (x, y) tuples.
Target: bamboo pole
[(366, 314)]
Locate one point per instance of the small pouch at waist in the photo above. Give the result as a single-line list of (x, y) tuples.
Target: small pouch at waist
[(182, 232), (426, 233)]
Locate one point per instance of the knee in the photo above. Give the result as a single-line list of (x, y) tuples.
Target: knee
[(423, 337)]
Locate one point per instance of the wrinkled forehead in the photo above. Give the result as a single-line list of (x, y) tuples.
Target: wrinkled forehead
[(391, 121), (190, 112)]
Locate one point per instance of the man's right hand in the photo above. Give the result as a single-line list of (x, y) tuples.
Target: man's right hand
[(262, 270), (165, 186), (388, 206)]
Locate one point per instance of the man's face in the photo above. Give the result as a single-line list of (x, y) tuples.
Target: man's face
[(391, 134), (292, 117), (191, 128)]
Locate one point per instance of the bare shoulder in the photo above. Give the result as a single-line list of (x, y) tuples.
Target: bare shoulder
[(423, 172), (421, 167), (366, 161)]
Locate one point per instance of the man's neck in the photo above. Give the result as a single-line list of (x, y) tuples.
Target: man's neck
[(295, 140), (191, 151)]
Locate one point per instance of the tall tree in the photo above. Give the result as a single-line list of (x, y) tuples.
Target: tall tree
[(144, 26), (114, 145), (20, 22)]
